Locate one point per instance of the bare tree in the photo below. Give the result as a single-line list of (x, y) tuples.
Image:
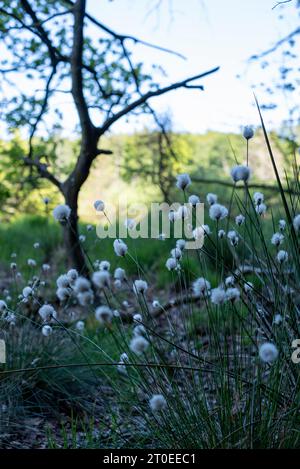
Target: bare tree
[(283, 55), (46, 42)]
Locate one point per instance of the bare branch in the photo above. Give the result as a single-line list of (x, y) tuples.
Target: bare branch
[(102, 151), (60, 13), (41, 31), (42, 111), (123, 37), (42, 169), (280, 3), (151, 94), (277, 45)]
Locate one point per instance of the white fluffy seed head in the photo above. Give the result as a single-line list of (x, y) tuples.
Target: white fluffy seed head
[(47, 312), (211, 198), (36, 245), (72, 275), (183, 181), (3, 306), (248, 287), (282, 256), (81, 285), (157, 403), (221, 234), (63, 293), (229, 281), (140, 286), (261, 209), (120, 274), (277, 239), (101, 279), (79, 326), (62, 213), (121, 367), (172, 264), (99, 205), (86, 298), (46, 267), (62, 281), (239, 220), (182, 212), (137, 317), (296, 223), (31, 262), (47, 330), (176, 253), (282, 225), (258, 198), (194, 200), (233, 237), (277, 319), (11, 319), (124, 357), (218, 296), (240, 173), (139, 345), (206, 230), (248, 132), (198, 232), (201, 287), (120, 247), (180, 244), (104, 265), (218, 212), (268, 352), (104, 314), (172, 216), (139, 330), (27, 291), (232, 294)]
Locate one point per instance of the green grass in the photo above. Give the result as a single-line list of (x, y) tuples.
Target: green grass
[(19, 237), (219, 393)]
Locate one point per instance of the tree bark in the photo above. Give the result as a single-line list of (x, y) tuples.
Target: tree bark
[(71, 189), (74, 252)]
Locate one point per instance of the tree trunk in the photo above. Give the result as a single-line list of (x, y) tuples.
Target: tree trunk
[(75, 255)]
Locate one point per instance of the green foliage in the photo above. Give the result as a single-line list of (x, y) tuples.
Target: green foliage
[(40, 54), (144, 159), (21, 189)]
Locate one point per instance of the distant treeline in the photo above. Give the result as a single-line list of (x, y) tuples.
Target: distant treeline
[(145, 157)]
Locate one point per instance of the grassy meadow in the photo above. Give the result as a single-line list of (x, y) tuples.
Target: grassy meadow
[(178, 360)]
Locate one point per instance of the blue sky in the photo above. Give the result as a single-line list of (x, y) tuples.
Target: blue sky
[(208, 33)]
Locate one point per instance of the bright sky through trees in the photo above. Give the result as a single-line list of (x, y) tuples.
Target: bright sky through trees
[(208, 33)]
